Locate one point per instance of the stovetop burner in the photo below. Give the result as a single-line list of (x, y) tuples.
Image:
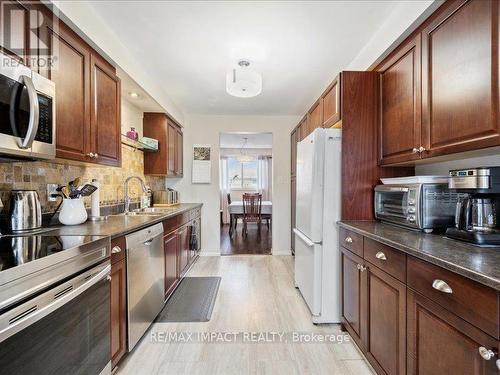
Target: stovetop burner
[(16, 250)]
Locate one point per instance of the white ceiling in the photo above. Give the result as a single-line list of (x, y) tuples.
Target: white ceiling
[(255, 140), (298, 46)]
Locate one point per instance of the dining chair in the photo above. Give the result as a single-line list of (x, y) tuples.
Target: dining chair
[(233, 217), (252, 210)]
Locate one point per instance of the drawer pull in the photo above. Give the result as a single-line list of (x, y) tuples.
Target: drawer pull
[(116, 250), (348, 240), (498, 363), (486, 354), (442, 286), (380, 255)]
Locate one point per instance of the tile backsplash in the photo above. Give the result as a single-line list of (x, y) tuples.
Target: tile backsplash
[(35, 175)]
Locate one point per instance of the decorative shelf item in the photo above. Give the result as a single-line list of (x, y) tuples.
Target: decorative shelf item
[(139, 145)]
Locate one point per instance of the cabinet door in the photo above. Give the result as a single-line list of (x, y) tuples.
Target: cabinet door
[(302, 129), (353, 296), (315, 119), (183, 249), (71, 74), (386, 304), (170, 247), (400, 105), (171, 148), (155, 126), (293, 152), (105, 112), (179, 149), (118, 311), (15, 34), (331, 103), (460, 74), (439, 342)]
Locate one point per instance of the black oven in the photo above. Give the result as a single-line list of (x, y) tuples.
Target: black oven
[(62, 330)]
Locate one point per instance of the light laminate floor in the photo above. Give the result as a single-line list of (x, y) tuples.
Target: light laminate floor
[(256, 297)]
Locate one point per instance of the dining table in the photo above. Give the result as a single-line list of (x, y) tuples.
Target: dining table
[(235, 210)]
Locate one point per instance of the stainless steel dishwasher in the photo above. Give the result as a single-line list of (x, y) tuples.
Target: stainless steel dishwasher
[(145, 276)]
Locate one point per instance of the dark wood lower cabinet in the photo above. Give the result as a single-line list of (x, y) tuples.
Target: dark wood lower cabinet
[(386, 344), (439, 342), (118, 310), (171, 244), (401, 331), (352, 294), (183, 249)]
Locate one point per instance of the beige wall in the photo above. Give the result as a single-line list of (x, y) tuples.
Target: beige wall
[(36, 175), (203, 129)]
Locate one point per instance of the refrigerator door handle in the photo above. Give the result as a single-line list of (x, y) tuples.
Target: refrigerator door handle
[(306, 240)]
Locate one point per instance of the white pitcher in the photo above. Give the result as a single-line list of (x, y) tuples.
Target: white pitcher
[(72, 212)]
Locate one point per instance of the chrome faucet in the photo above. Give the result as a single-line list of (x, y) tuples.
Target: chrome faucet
[(127, 198)]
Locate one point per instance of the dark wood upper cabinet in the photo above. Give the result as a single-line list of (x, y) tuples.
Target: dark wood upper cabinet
[(105, 112), (441, 343), (168, 161), (170, 246), (386, 304), (314, 115), (460, 75), (400, 105), (70, 73), (15, 30), (331, 104)]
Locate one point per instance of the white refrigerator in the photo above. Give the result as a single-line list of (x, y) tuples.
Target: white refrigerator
[(317, 256)]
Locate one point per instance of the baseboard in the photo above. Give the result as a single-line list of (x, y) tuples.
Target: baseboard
[(209, 253), (281, 252)]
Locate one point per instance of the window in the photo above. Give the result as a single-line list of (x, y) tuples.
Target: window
[(242, 174)]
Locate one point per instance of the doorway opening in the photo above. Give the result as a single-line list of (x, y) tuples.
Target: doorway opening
[(245, 186)]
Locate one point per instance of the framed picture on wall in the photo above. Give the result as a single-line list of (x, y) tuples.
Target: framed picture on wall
[(202, 164)]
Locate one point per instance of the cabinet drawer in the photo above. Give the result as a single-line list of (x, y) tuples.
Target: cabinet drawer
[(118, 248), (386, 258), (171, 224), (471, 301), (352, 241)]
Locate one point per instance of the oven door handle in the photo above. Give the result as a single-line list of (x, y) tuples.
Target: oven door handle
[(33, 315)]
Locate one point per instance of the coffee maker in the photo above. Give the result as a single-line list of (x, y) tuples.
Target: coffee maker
[(476, 217)]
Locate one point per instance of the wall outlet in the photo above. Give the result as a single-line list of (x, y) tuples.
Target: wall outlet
[(51, 189)]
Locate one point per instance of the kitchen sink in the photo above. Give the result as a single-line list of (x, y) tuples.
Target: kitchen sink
[(149, 211)]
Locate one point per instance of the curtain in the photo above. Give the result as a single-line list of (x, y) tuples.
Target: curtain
[(224, 188), (265, 177)]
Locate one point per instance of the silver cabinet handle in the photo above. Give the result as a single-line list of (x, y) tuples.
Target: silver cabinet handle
[(348, 240), (498, 363), (442, 286), (486, 354), (421, 149), (90, 155), (415, 150), (361, 268), (96, 155), (380, 255), (116, 250), (108, 278)]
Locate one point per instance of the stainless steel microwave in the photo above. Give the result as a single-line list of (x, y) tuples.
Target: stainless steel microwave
[(418, 206), (27, 112)]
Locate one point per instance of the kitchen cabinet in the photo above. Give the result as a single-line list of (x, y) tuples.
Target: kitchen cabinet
[(293, 151), (331, 104), (438, 91), (460, 76), (386, 333), (441, 343), (403, 323), (88, 103), (400, 105), (168, 161), (17, 40), (105, 112), (352, 298), (118, 293), (314, 116), (183, 263), (293, 211), (171, 244)]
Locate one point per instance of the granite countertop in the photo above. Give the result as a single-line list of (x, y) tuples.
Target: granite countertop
[(476, 263), (117, 226)]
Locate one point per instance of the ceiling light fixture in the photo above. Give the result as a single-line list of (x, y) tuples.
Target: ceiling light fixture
[(244, 157), (243, 82), (133, 95)]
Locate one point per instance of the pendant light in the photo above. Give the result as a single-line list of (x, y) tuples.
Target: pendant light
[(243, 156)]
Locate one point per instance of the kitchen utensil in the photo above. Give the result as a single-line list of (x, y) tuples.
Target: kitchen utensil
[(24, 210), (66, 191), (87, 190)]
